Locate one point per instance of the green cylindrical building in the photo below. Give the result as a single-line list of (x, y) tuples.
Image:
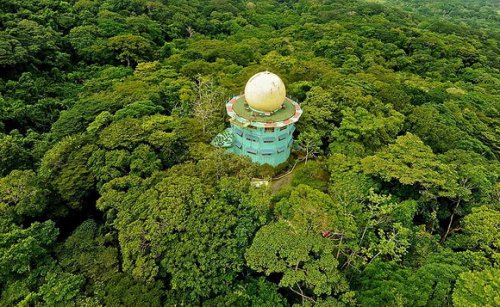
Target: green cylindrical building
[(262, 121)]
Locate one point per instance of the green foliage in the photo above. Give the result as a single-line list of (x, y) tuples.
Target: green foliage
[(411, 162), (12, 154), (107, 109), (456, 124), (103, 279), (29, 42), (312, 174), (21, 195), (137, 110), (480, 231), (477, 288), (130, 48), (123, 289), (60, 289), (348, 186), (304, 259), (65, 167), (294, 247), (169, 224), (388, 284), (22, 250), (251, 292), (309, 143), (78, 253), (371, 131), (383, 230)]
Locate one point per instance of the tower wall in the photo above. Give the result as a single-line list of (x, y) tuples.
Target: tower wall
[(263, 145)]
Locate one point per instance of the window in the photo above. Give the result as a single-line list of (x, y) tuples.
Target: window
[(283, 128), (252, 138), (283, 136), (269, 130), (251, 127), (237, 144), (267, 152), (252, 151), (238, 131), (281, 149), (268, 139)]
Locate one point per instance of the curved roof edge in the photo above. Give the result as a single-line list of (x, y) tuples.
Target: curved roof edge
[(293, 119)]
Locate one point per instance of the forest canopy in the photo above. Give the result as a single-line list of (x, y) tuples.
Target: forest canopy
[(111, 194)]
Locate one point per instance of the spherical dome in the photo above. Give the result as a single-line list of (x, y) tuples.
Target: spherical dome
[(265, 92)]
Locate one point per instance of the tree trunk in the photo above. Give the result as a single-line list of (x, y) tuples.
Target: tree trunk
[(451, 221)]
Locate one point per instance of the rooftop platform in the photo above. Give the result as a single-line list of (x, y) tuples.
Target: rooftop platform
[(242, 114)]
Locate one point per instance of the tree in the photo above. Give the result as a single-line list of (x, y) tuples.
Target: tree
[(12, 154), (23, 251), (383, 230), (65, 167), (61, 289), (475, 181), (295, 246), (411, 162), (319, 112), (32, 42), (130, 48), (208, 105), (250, 292), (184, 223), (480, 231), (371, 130), (314, 211), (78, 253), (391, 284), (313, 174), (103, 279), (447, 122), (21, 195), (309, 142), (305, 260), (11, 50), (124, 290), (478, 288), (348, 185), (89, 44)]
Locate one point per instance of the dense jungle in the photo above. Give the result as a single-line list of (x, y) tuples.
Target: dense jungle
[(111, 194)]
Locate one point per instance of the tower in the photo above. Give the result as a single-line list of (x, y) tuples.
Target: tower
[(262, 121)]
